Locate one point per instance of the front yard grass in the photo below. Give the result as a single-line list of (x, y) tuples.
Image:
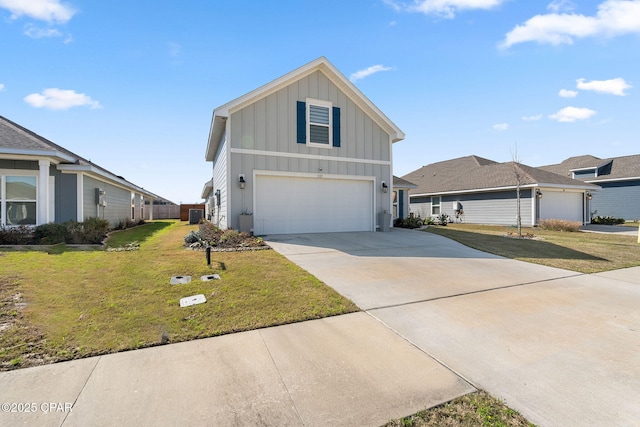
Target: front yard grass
[(75, 304), (576, 251)]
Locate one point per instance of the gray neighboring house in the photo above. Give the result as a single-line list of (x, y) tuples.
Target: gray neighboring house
[(477, 190), (41, 182), (307, 152), (618, 177), (401, 188)]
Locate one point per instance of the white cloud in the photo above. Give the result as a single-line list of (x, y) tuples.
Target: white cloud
[(501, 126), (612, 86), (557, 6), (532, 118), (361, 74), (1, 87), (59, 99), (42, 10), (614, 17), (571, 114), (39, 33), (443, 8), (565, 93)]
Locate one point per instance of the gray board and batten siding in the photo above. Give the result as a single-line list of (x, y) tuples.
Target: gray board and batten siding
[(264, 138), (619, 199)]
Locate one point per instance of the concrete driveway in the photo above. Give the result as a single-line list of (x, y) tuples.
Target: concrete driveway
[(563, 348)]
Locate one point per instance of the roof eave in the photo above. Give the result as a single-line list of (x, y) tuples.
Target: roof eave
[(218, 124)]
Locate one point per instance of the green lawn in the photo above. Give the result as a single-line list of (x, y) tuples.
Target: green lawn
[(576, 251), (79, 303)]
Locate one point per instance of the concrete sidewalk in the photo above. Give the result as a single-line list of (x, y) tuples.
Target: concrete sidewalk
[(339, 371)]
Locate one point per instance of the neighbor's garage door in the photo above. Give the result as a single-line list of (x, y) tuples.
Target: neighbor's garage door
[(561, 205), (286, 204)]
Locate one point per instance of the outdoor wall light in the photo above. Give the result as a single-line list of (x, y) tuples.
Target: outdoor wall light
[(384, 187), (538, 194), (589, 196), (241, 181)]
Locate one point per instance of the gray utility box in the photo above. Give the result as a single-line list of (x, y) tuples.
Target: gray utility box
[(195, 216)]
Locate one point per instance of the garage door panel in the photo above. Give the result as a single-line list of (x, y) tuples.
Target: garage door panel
[(287, 204), (561, 205)]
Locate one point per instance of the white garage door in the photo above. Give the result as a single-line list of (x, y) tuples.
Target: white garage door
[(561, 205), (286, 204)]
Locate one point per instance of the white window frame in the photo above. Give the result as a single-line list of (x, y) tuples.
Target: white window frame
[(3, 194), (434, 205), (324, 104)]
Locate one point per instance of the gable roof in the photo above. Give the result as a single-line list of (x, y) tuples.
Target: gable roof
[(473, 173), (621, 168), (321, 64), (17, 142)]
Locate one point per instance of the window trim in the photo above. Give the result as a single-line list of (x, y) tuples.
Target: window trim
[(434, 205), (324, 104), (4, 201)]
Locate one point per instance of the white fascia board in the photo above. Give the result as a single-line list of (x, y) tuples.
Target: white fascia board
[(20, 154), (217, 131), (584, 169), (207, 189), (631, 178), (90, 169)]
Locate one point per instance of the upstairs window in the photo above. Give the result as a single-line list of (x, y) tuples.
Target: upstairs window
[(318, 123)]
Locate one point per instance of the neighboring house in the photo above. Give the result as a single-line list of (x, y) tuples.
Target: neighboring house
[(401, 188), (307, 152), (477, 190), (619, 178), (41, 182)]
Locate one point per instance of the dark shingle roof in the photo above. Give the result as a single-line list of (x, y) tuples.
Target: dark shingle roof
[(621, 167), (475, 173), (402, 183)]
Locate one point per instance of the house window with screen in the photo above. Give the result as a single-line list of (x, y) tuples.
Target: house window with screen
[(318, 123), (435, 205)]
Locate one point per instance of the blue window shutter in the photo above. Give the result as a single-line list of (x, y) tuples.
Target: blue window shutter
[(336, 127), (301, 133), (401, 204)]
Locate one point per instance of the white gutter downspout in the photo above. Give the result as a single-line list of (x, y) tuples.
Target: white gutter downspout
[(43, 192)]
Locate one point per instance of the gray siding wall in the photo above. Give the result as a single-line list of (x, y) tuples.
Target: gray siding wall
[(270, 125), (218, 213), (497, 208), (617, 199), (118, 201)]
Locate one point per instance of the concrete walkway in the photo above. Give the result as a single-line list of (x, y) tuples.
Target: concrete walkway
[(558, 346), (610, 229)]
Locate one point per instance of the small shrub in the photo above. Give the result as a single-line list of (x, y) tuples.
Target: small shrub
[(559, 225), (51, 234), (607, 220), (411, 222), (21, 235), (94, 230), (209, 231), (231, 237), (429, 221), (192, 237), (443, 219), (125, 223)]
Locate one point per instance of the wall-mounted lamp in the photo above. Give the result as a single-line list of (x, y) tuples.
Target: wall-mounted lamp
[(589, 196), (538, 194), (241, 181), (385, 188)]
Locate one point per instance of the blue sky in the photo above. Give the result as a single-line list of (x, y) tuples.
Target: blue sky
[(132, 85)]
